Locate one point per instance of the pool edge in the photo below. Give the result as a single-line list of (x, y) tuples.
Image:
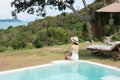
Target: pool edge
[(58, 62)]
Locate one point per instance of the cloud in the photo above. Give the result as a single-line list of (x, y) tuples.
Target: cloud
[(5, 8)]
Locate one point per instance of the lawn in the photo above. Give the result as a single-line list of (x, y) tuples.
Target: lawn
[(31, 57)]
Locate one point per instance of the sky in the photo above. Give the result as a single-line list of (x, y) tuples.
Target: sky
[(5, 10)]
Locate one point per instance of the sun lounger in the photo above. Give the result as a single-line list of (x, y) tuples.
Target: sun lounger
[(111, 48)]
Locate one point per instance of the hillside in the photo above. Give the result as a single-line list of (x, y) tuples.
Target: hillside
[(58, 29)]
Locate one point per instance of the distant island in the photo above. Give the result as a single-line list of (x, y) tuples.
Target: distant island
[(10, 20), (5, 23)]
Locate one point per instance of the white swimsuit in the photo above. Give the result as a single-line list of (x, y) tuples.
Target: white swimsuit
[(74, 56)]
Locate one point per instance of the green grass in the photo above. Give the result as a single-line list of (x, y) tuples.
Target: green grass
[(31, 57)]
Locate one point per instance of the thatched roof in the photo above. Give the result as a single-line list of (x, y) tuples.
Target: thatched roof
[(114, 7)]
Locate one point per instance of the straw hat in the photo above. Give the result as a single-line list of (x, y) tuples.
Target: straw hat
[(74, 39)]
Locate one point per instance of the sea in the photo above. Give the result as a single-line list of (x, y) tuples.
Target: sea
[(5, 25)]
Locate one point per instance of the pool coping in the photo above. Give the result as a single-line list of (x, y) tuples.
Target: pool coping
[(95, 63), (58, 62)]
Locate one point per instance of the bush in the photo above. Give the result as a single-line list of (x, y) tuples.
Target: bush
[(9, 48), (17, 44), (2, 48), (38, 43), (41, 39), (51, 36), (29, 46), (116, 38), (57, 36)]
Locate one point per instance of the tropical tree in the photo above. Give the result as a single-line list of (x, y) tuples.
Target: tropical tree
[(39, 7), (87, 15)]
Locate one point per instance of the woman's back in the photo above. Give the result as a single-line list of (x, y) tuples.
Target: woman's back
[(75, 48), (74, 55)]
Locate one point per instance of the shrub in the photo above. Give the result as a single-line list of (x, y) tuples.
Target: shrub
[(29, 45), (9, 48), (116, 38), (2, 48), (51, 36), (57, 36)]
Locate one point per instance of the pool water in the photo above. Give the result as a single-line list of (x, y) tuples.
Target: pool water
[(64, 71)]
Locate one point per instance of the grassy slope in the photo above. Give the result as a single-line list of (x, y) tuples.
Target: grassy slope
[(31, 57)]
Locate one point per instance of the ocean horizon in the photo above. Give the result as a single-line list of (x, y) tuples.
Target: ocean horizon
[(5, 25)]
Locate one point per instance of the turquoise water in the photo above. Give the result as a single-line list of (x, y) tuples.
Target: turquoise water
[(5, 25), (69, 71)]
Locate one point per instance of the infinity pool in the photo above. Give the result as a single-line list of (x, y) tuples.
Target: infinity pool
[(64, 70)]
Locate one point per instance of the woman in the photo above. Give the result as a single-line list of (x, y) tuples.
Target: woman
[(73, 54)]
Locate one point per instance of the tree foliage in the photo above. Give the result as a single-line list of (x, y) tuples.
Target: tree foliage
[(58, 29), (42, 32), (88, 14), (30, 6)]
